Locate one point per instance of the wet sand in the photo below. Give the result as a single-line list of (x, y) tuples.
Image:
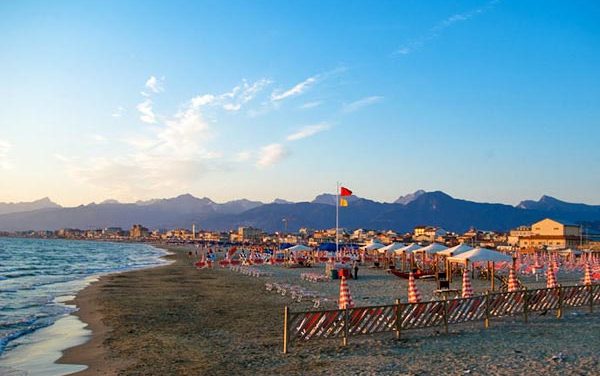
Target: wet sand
[(176, 320)]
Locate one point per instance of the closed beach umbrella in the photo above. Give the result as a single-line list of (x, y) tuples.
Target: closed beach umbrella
[(550, 278), (345, 298), (587, 276), (467, 290), (513, 283), (414, 296)]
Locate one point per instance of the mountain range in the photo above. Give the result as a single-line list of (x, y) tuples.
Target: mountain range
[(430, 208)]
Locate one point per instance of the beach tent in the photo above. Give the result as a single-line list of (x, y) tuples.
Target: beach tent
[(391, 247), (455, 251), (285, 245), (298, 248), (373, 246), (478, 255), (431, 249), (407, 249)]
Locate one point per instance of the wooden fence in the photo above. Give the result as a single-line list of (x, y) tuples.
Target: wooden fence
[(342, 324)]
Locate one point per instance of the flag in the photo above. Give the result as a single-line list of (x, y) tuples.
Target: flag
[(345, 192), (343, 202)]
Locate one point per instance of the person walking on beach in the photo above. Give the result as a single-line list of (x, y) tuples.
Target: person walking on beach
[(355, 269)]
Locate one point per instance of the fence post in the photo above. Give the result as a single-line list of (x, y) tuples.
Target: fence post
[(559, 311), (486, 299), (286, 312), (398, 318), (345, 338), (591, 288), (445, 315), (525, 304)]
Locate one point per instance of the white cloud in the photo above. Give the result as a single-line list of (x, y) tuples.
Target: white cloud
[(361, 103), (5, 147), (271, 154), (296, 90), (146, 112), (441, 26), (155, 85), (308, 105), (118, 112), (308, 131), (235, 99)]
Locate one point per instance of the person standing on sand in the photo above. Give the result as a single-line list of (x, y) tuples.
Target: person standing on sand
[(355, 269)]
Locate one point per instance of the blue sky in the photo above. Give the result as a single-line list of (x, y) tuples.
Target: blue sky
[(494, 101)]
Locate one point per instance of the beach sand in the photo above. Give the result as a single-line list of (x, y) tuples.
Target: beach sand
[(176, 320)]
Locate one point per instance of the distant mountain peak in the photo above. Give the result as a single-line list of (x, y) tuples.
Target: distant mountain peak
[(407, 199), (18, 207), (281, 201)]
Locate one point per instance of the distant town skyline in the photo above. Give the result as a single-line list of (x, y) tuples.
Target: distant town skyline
[(489, 101)]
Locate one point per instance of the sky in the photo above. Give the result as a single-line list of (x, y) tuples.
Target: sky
[(492, 101)]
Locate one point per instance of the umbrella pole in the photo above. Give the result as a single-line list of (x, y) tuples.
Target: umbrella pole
[(493, 275)]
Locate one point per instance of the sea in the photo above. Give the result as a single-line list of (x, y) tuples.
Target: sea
[(38, 277)]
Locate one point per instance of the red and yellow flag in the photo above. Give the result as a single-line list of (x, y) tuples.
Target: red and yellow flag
[(345, 192)]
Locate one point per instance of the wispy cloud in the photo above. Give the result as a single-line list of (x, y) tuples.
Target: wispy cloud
[(309, 130), (155, 85), (98, 138), (296, 90), (271, 154), (441, 26), (5, 147), (146, 113), (361, 103), (243, 156), (313, 104), (235, 99)]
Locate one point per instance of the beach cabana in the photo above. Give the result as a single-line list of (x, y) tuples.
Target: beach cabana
[(431, 249), (455, 251), (407, 250), (479, 255), (298, 248), (390, 248), (372, 246)]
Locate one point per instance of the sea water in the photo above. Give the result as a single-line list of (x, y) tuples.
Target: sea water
[(37, 277)]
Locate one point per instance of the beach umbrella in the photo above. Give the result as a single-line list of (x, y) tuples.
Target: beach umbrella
[(455, 251), (414, 296), (345, 297), (550, 278), (587, 276), (467, 290), (513, 283)]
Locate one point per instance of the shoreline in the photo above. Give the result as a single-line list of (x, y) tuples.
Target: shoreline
[(92, 353)]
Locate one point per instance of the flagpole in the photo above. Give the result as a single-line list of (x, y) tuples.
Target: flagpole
[(337, 217)]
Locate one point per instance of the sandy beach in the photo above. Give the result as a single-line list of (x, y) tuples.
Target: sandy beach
[(176, 320)]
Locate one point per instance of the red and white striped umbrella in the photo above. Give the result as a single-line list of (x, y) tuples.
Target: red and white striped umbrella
[(550, 278), (587, 274), (467, 290), (513, 283), (345, 297), (414, 296)]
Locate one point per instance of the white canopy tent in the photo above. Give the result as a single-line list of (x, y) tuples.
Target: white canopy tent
[(298, 248), (455, 251), (479, 255), (372, 246), (431, 249), (407, 249), (391, 247)]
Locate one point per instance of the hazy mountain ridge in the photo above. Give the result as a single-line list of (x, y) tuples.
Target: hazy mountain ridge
[(19, 207), (432, 208)]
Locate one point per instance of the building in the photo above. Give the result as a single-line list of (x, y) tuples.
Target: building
[(250, 234), (549, 233), (428, 234), (138, 231)]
